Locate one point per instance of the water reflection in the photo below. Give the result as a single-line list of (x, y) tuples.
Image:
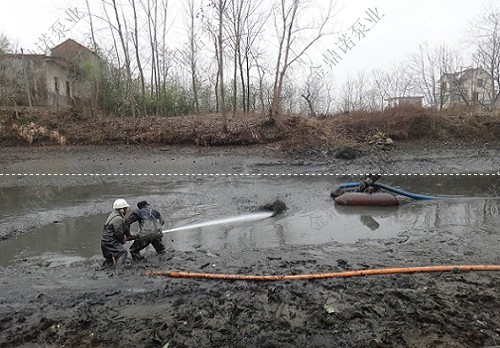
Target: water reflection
[(369, 222), (311, 218), (368, 215)]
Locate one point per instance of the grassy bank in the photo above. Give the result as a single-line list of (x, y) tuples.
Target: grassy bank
[(45, 126)]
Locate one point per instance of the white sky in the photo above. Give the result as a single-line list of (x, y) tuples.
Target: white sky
[(405, 24)]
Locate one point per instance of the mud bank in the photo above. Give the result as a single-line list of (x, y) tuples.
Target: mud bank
[(75, 304)]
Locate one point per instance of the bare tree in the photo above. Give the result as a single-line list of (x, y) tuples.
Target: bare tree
[(112, 29), (316, 92), (290, 50), (428, 65), (4, 44), (193, 49), (91, 23), (382, 83), (261, 72), (95, 71), (394, 83), (361, 91), (135, 40), (152, 19), (309, 98), (220, 8), (486, 32), (245, 25), (164, 66), (126, 56), (424, 65), (235, 19), (156, 12), (357, 94), (254, 23)]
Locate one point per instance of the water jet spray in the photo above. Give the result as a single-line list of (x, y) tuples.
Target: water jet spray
[(264, 212)]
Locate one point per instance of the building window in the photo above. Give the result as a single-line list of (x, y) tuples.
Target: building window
[(475, 96), (68, 89), (443, 86), (480, 82), (56, 84)]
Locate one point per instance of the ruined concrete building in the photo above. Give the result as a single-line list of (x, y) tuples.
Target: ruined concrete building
[(41, 80)]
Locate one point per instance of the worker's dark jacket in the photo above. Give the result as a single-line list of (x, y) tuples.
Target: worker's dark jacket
[(150, 222), (115, 228)]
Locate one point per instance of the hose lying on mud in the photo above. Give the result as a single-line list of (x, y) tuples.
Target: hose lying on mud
[(345, 274), (394, 190)]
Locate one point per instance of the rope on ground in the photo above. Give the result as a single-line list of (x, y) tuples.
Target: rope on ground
[(345, 274)]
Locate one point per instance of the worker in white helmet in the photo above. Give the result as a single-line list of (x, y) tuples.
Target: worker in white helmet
[(115, 233)]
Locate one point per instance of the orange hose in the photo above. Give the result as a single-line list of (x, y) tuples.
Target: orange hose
[(346, 274)]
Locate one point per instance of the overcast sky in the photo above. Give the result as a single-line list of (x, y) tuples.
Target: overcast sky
[(403, 25)]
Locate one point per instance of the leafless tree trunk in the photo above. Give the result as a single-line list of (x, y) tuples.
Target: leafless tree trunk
[(234, 17), (424, 65), (96, 73), (26, 81), (245, 26), (487, 42), (135, 40), (288, 53), (130, 98), (155, 73), (215, 83), (311, 90), (193, 39), (309, 99), (395, 83), (165, 65), (116, 49), (427, 66), (112, 29), (220, 7), (356, 94), (254, 22), (92, 32), (5, 45), (382, 83), (261, 72)]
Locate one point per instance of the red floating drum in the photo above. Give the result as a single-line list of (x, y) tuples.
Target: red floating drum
[(366, 199)]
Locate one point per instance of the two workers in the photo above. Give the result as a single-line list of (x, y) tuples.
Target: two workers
[(116, 232)]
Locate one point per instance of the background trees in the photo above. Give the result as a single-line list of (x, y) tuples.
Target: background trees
[(5, 45), (486, 34), (244, 56)]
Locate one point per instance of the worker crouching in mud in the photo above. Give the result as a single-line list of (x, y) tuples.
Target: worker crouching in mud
[(115, 234), (150, 230)]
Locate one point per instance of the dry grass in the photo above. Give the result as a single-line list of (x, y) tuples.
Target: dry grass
[(415, 123), (294, 132)]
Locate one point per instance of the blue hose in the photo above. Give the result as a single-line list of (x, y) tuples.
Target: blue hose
[(406, 193), (391, 189)]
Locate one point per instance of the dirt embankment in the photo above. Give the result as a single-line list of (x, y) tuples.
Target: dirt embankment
[(45, 126)]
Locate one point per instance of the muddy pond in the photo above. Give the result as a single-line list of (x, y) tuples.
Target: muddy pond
[(53, 292), (61, 224)]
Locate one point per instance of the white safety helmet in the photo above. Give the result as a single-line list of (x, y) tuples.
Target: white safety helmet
[(120, 203)]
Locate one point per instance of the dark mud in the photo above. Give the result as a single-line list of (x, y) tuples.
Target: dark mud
[(79, 305)]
